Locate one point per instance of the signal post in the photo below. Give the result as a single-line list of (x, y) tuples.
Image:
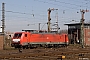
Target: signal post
[(49, 18), (82, 26)]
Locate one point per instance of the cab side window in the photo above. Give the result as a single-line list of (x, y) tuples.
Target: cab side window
[(25, 35)]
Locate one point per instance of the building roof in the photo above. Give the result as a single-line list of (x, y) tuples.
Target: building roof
[(78, 23)]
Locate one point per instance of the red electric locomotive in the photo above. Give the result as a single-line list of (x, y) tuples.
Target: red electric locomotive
[(28, 40)]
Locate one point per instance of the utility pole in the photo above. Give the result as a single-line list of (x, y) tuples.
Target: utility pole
[(39, 27), (49, 18), (3, 23), (57, 22), (82, 26)]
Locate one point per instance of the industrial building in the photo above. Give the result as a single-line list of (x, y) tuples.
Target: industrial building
[(74, 33)]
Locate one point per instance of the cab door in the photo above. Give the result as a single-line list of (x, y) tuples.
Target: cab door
[(26, 39)]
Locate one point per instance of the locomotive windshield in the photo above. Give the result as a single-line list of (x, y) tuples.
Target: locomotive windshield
[(17, 35)]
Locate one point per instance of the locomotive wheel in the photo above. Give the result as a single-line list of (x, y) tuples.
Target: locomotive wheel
[(27, 47), (23, 47), (20, 50)]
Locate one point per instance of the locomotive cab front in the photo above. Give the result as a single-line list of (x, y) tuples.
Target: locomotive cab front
[(16, 40)]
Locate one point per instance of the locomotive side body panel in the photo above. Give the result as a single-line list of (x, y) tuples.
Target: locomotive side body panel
[(45, 38), (36, 38), (64, 39), (28, 39)]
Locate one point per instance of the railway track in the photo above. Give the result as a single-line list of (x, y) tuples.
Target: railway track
[(67, 53)]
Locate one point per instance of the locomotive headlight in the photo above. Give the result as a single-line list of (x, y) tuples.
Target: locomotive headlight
[(16, 40)]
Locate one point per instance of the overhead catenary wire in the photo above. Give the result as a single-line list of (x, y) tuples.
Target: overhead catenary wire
[(57, 4), (32, 14), (26, 13), (68, 3), (19, 12), (62, 5), (61, 18), (57, 1), (52, 3)]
